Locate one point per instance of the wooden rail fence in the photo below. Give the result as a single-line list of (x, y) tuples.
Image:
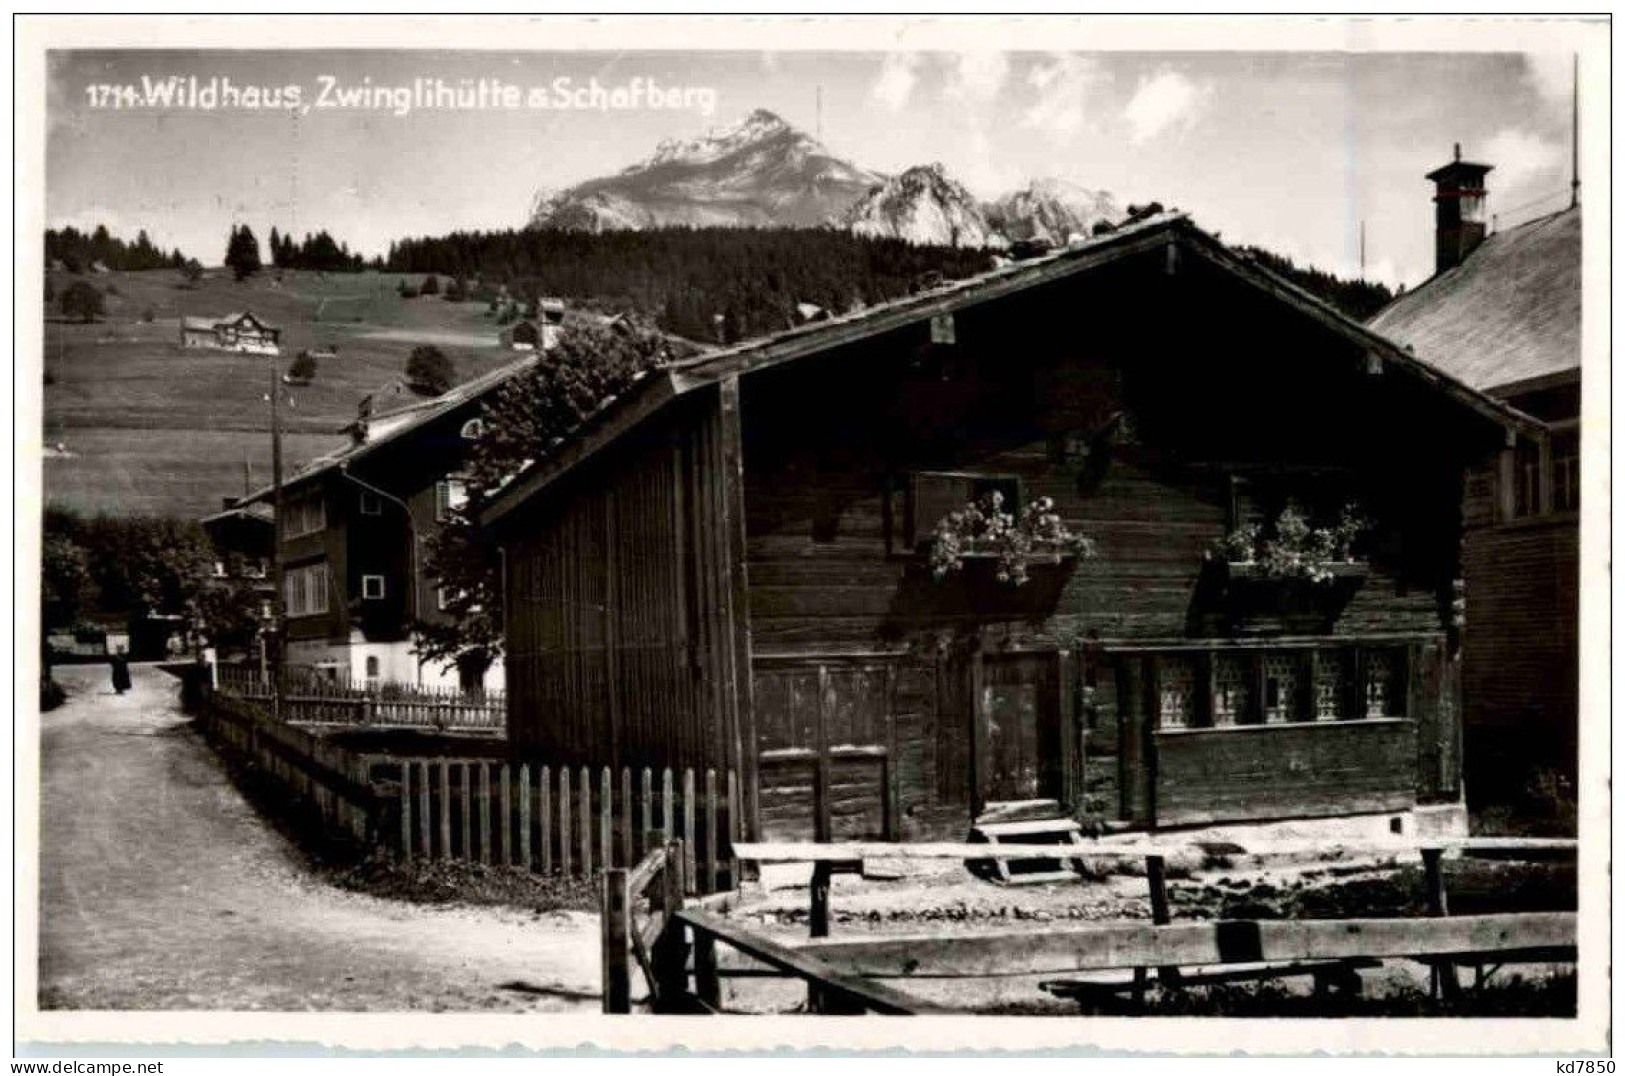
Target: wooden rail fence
[(567, 820), (317, 700), (841, 973), (675, 946), (318, 778)]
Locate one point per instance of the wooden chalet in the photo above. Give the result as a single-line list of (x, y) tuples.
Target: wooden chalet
[(240, 332), (1502, 313), (355, 528), (730, 565)]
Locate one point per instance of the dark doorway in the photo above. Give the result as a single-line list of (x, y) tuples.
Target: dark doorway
[(1019, 730)]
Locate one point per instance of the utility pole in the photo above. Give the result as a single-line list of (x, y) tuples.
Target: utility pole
[(820, 113), (1362, 250), (279, 597), (1574, 183)]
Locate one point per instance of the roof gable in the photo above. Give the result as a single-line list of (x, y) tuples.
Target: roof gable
[(1162, 231)]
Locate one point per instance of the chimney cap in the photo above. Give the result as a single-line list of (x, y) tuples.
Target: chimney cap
[(1459, 172)]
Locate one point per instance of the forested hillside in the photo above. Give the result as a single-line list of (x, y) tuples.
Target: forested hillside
[(1359, 299), (77, 251), (715, 285)]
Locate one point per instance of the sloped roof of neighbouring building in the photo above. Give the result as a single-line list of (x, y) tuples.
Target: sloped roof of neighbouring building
[(1509, 313)]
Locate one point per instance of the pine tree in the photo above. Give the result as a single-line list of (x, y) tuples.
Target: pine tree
[(243, 253), (276, 250)]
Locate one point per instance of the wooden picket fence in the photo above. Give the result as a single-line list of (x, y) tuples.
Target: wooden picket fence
[(572, 821), (309, 699)]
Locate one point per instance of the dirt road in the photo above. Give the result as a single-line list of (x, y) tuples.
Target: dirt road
[(160, 888)]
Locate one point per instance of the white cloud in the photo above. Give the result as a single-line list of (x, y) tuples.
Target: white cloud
[(1063, 86), (1163, 102), (898, 76), (975, 78), (1551, 76), (1519, 157)]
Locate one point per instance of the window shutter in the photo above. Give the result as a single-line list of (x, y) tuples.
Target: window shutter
[(931, 497)]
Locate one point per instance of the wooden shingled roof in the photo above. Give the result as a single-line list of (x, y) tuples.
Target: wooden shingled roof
[(1509, 313)]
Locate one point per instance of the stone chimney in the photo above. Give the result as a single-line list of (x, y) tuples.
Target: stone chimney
[(1459, 215)]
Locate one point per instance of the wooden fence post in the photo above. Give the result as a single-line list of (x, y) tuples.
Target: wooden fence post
[(505, 822), (627, 851), (445, 809), (406, 810), (617, 984), (584, 811), (707, 984), (711, 831), (425, 819), (485, 813), (646, 790), (465, 777), (606, 818), (733, 828), (1444, 972), (564, 821), (1156, 877), (544, 824), (818, 926), (667, 804), (688, 832), (670, 956), (524, 815)]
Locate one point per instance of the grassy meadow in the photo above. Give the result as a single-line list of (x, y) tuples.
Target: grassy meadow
[(145, 426)]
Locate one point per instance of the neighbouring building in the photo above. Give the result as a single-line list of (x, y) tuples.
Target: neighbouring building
[(243, 537), (242, 332), (355, 529), (731, 566), (1502, 314)]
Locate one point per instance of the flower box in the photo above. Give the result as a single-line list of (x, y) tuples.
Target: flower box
[(1252, 600)]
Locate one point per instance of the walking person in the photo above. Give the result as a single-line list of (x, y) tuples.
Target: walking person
[(121, 671)]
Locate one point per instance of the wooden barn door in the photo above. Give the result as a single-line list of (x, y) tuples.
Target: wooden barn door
[(826, 750), (1019, 743)]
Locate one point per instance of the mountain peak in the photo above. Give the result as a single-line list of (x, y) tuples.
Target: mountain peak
[(762, 171), (923, 204), (759, 171), (719, 142)]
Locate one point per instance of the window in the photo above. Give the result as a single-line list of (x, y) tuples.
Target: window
[(1280, 688), (934, 494), (372, 668), (450, 494), (372, 587), (473, 429), (1381, 687), (1232, 699), (305, 590), (1331, 674), (371, 504), (305, 516), (1176, 693)]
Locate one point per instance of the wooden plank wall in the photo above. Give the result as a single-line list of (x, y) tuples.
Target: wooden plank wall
[(623, 643), (1520, 652), (1278, 771), (849, 749)]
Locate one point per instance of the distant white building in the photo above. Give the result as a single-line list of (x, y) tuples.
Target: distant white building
[(240, 332)]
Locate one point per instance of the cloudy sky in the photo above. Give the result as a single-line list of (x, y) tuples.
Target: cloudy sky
[(1287, 151)]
